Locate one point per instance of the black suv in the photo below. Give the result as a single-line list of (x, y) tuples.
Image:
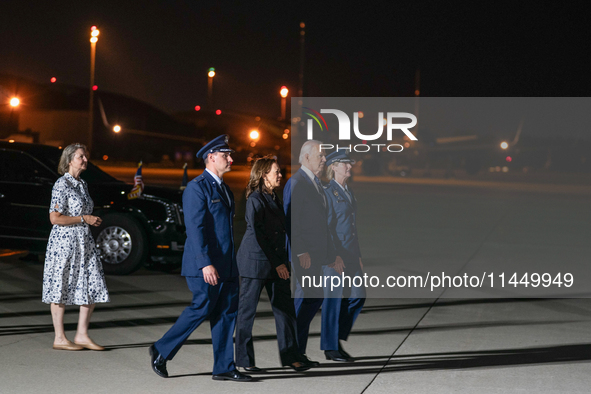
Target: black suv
[(132, 232)]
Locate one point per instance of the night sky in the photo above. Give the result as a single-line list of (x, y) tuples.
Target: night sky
[(159, 51)]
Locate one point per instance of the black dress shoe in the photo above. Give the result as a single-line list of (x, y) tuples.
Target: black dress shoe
[(304, 359), (343, 352), (335, 355), (253, 369), (301, 368), (158, 362), (234, 375)]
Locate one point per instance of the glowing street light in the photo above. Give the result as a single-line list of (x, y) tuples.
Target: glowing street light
[(94, 33), (117, 128), (283, 92), (210, 75), (14, 102), (254, 134), (504, 145)]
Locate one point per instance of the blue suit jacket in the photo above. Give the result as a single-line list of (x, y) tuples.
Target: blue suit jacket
[(307, 223), (209, 222), (342, 224), (263, 247)]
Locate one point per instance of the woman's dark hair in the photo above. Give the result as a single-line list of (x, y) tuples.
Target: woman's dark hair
[(260, 168)]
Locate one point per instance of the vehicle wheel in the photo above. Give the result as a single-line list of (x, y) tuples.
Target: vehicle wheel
[(122, 244)]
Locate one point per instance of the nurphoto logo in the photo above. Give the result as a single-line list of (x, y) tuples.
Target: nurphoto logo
[(390, 121)]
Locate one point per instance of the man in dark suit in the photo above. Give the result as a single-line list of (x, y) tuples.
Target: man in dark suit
[(311, 246), (209, 265)]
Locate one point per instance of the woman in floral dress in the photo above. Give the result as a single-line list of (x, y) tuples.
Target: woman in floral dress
[(73, 274)]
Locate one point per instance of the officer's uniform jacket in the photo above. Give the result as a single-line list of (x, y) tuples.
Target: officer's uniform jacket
[(208, 219), (342, 225)]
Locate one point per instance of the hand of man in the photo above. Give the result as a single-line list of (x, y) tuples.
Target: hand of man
[(360, 264), (283, 271), (338, 265), (305, 261), (92, 220), (210, 275)]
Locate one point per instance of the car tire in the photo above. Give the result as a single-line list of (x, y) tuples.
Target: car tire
[(122, 244)]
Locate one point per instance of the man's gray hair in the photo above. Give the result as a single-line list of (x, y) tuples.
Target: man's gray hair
[(307, 148)]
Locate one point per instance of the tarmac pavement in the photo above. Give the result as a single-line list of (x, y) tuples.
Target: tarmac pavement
[(424, 345)]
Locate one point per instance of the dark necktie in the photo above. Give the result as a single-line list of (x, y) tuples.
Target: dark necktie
[(320, 190), (349, 195), (225, 193)]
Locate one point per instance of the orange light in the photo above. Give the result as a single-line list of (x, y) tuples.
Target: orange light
[(94, 31), (360, 114), (95, 87), (285, 136), (105, 157), (417, 92), (284, 91), (286, 131), (258, 118), (302, 25), (211, 74), (504, 145), (253, 144), (218, 112), (11, 141), (93, 40), (117, 128), (197, 108), (14, 102), (53, 79), (254, 134)]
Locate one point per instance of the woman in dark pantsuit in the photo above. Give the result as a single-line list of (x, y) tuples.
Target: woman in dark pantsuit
[(262, 263)]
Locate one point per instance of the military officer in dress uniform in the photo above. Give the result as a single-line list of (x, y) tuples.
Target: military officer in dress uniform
[(341, 304), (209, 266)]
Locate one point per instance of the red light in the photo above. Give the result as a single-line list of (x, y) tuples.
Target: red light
[(53, 79), (95, 87), (509, 159), (92, 28), (197, 108), (218, 112)]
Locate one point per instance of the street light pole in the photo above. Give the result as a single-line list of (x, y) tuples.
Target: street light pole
[(94, 32), (283, 92), (210, 75)]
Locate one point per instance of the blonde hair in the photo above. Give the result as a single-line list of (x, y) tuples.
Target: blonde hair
[(67, 156), (330, 170), (260, 168)]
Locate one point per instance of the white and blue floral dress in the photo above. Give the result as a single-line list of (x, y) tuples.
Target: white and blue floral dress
[(73, 273)]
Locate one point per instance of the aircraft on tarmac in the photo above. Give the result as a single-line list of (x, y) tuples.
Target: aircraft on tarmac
[(471, 153)]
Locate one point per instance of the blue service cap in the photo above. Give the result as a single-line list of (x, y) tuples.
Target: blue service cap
[(339, 156), (218, 144)]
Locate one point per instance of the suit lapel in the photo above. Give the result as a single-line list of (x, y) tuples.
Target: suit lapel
[(313, 186), (218, 190), (343, 193), (274, 206)]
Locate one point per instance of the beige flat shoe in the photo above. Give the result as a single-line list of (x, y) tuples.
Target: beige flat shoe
[(67, 346), (90, 345)]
